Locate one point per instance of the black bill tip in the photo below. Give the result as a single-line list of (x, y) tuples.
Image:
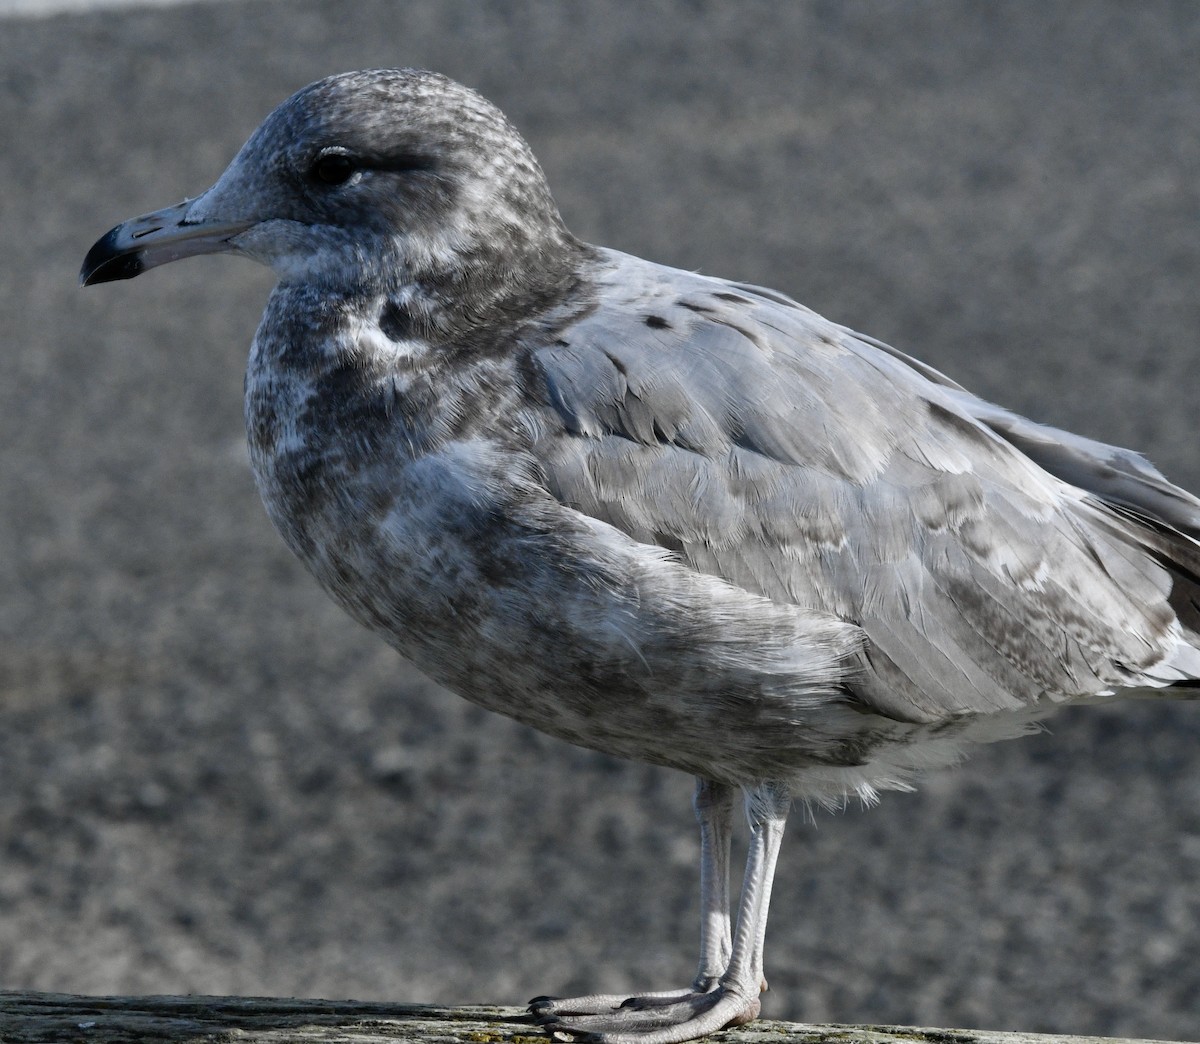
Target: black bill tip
[(109, 261)]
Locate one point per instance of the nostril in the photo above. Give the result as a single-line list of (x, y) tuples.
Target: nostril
[(147, 232)]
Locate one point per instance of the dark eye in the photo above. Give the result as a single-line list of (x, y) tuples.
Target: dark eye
[(333, 168)]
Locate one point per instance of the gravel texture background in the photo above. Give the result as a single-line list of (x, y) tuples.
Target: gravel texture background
[(213, 782)]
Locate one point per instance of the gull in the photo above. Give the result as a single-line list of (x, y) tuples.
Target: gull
[(669, 517)]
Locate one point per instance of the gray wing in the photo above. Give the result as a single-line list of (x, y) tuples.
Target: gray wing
[(991, 562)]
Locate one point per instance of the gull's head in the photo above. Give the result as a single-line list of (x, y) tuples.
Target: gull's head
[(365, 180)]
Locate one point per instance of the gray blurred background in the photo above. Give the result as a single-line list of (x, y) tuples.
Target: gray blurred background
[(211, 781)]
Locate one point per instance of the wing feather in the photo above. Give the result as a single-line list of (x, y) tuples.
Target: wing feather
[(991, 562)]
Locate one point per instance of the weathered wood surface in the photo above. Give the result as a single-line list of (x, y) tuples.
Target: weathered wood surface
[(53, 1018)]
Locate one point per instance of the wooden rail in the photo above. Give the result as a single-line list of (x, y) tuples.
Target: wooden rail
[(26, 1018)]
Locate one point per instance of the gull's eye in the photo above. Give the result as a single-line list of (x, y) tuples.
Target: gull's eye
[(333, 168)]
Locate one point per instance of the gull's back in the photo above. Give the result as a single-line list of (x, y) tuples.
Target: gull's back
[(993, 564)]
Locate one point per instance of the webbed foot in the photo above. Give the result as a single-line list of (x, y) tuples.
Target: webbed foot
[(648, 1018)]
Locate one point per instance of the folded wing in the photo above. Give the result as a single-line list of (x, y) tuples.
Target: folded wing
[(992, 563)]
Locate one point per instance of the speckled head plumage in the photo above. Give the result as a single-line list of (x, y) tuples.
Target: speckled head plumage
[(377, 178)]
